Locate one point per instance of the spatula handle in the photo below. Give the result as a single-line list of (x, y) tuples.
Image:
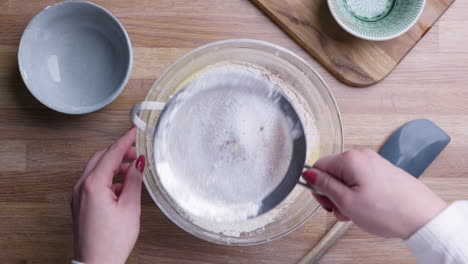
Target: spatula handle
[(337, 231)]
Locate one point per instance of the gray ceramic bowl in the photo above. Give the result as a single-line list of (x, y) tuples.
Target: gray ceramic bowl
[(75, 57)]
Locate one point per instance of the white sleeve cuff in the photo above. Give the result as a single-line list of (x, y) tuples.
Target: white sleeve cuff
[(444, 240), (76, 262)]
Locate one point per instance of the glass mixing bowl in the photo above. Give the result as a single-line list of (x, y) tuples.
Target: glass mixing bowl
[(313, 101)]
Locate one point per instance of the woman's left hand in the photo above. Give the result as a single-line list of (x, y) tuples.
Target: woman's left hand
[(106, 216)]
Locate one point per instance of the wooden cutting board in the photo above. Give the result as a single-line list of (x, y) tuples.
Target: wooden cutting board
[(354, 61)]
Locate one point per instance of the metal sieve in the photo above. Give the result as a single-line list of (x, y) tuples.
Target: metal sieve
[(229, 145), (301, 85)]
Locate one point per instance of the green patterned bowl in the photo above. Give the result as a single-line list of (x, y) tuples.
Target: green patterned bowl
[(376, 19)]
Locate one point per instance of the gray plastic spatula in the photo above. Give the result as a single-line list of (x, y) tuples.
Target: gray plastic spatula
[(412, 148)]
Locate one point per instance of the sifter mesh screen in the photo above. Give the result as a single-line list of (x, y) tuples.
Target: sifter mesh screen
[(225, 143)]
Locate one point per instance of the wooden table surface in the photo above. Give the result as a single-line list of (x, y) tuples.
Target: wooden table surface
[(42, 152)]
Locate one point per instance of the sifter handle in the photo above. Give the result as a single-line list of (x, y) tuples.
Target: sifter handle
[(145, 105), (304, 184)]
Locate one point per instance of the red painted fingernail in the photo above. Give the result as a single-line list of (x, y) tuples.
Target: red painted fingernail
[(310, 177), (140, 163)]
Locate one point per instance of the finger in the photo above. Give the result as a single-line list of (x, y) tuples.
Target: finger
[(96, 157), (131, 191), (342, 165), (109, 164), (331, 164), (87, 171), (117, 188), (334, 189), (124, 168), (91, 164), (131, 154), (339, 215), (325, 202)]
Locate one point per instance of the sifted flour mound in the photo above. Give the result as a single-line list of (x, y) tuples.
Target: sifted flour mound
[(221, 154)]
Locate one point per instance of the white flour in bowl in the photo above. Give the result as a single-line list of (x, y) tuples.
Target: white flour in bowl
[(218, 158)]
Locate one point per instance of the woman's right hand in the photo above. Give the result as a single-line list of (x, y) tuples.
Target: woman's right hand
[(382, 199)]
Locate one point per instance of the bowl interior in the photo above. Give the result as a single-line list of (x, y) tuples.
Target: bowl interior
[(314, 103), (376, 19), (75, 57)]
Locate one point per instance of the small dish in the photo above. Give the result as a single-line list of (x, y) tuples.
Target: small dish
[(376, 20), (75, 57)]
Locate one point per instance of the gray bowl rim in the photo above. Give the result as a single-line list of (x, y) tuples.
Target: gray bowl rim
[(109, 99)]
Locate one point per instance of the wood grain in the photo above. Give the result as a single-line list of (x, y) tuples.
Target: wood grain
[(13, 153), (354, 61), (42, 152), (326, 242)]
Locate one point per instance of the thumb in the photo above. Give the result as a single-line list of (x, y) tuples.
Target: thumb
[(328, 185), (131, 191)]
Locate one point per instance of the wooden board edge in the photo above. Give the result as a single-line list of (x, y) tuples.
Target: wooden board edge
[(417, 41), (324, 64)]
